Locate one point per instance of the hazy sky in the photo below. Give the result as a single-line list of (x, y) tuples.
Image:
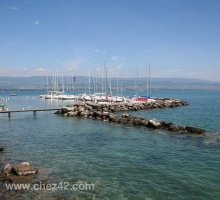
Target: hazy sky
[(180, 38)]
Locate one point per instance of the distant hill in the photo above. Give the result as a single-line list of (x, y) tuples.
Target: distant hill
[(40, 83)]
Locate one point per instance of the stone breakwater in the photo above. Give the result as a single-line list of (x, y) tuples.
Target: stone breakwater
[(106, 112)]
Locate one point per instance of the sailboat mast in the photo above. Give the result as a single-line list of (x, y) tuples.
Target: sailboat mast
[(102, 79), (110, 84), (47, 83), (106, 78), (117, 84), (149, 82), (63, 81), (89, 80)]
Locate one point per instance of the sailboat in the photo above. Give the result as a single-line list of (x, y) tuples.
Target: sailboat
[(145, 98)]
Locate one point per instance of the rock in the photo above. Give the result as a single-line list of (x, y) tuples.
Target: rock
[(131, 120), (97, 114), (24, 169), (144, 122), (193, 130), (21, 179), (66, 109), (2, 190), (112, 117), (3, 177), (165, 124), (7, 169), (135, 108), (130, 104), (124, 120), (105, 109), (137, 121), (1, 148), (119, 120), (59, 112), (126, 115), (60, 198), (153, 123), (72, 114), (81, 109), (87, 112), (173, 128), (106, 114), (82, 114)]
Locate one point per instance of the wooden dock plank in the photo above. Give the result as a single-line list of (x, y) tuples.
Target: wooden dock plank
[(30, 110)]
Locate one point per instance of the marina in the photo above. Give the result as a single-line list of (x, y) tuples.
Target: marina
[(109, 100)]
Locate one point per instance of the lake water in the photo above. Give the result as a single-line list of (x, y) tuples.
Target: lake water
[(124, 163)]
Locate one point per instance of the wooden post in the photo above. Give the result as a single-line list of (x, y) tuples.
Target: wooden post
[(9, 114), (34, 112)]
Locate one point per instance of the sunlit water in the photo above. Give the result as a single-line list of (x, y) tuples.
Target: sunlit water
[(123, 162)]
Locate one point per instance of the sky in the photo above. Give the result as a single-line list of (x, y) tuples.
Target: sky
[(179, 38)]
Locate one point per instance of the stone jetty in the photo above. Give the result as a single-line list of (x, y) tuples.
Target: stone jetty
[(106, 112)]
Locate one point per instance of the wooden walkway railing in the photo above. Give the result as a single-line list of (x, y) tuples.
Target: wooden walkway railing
[(29, 110)]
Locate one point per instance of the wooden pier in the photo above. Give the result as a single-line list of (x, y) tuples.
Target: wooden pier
[(29, 110)]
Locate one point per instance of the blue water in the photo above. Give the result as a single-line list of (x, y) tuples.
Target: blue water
[(123, 162)]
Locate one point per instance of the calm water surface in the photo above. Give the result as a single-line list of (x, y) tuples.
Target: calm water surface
[(123, 162)]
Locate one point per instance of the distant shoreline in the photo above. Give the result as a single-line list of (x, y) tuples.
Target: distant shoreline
[(127, 89), (81, 82)]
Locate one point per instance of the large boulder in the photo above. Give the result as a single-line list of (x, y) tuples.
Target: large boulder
[(137, 121), (97, 114), (126, 115), (67, 109), (124, 120), (194, 130), (106, 114), (119, 120), (24, 169), (73, 113), (153, 123), (105, 109), (173, 128), (130, 104), (131, 120), (112, 117), (81, 109), (7, 169), (144, 122)]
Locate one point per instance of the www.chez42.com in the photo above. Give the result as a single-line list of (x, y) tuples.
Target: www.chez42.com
[(50, 186)]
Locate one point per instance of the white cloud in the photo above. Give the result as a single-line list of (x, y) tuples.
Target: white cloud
[(99, 51), (118, 59), (40, 69), (14, 8), (115, 58), (36, 22)]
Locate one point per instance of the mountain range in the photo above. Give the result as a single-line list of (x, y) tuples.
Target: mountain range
[(42, 82)]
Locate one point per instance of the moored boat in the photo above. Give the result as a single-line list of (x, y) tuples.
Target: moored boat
[(3, 107)]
